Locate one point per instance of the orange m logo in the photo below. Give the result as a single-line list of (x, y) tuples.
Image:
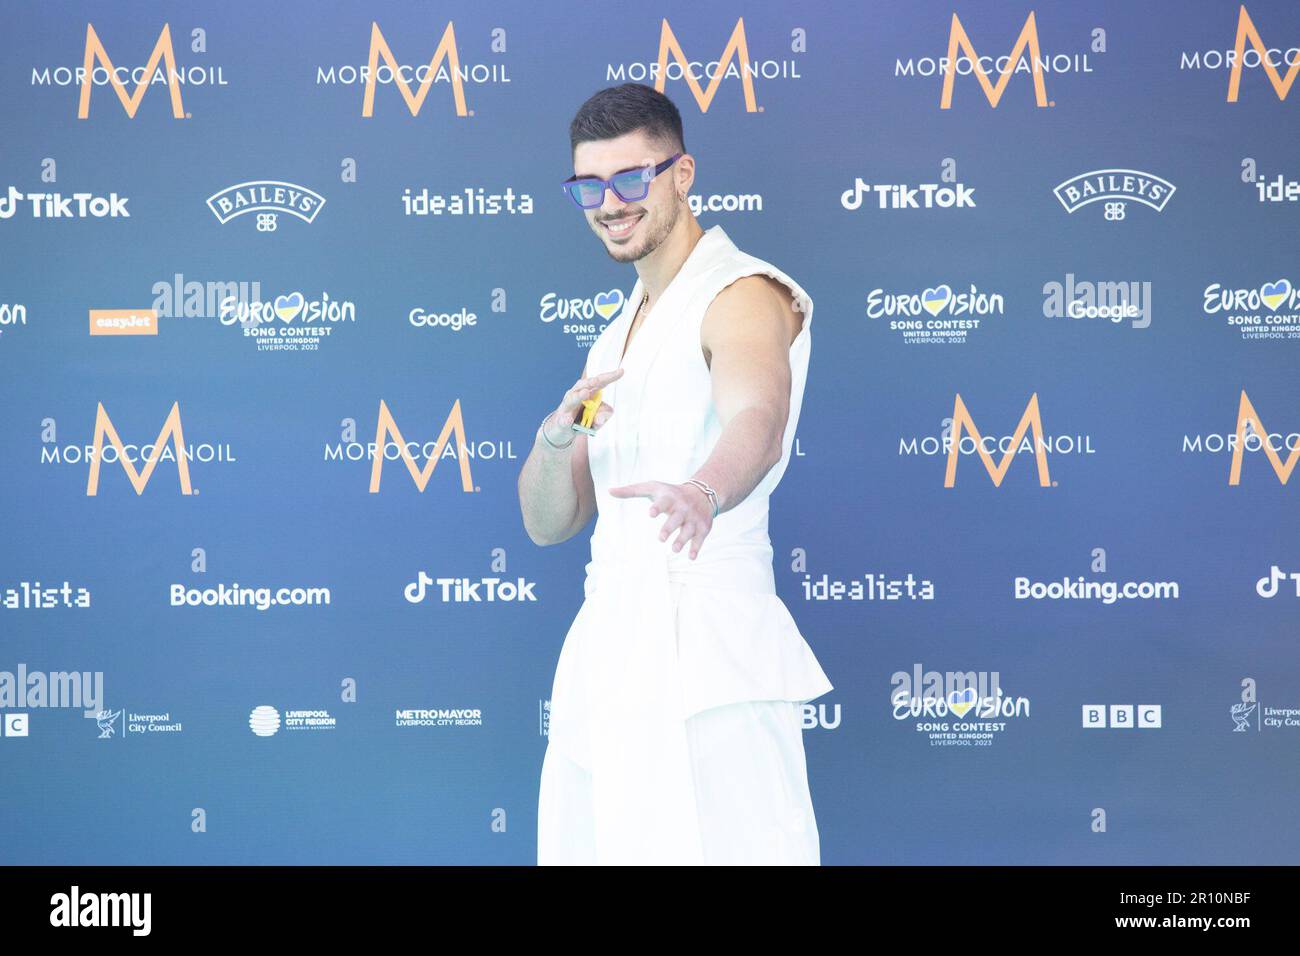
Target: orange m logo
[(961, 420), (1246, 413), (95, 52), (172, 427), (414, 101), (1246, 27), (736, 46), (1028, 37), (387, 426)]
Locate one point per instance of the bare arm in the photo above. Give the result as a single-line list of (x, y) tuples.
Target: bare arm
[(556, 495), (746, 335)]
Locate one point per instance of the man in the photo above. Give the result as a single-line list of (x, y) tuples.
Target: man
[(676, 713)]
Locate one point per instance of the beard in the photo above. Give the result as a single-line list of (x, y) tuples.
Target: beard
[(652, 229)]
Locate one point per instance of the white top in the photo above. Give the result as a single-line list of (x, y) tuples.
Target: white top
[(642, 656)]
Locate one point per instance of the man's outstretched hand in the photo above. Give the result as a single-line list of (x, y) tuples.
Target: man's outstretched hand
[(688, 508)]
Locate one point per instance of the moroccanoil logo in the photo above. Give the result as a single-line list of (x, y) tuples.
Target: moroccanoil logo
[(414, 101), (1257, 56), (162, 50), (733, 63), (1246, 28), (387, 428), (1251, 430), (959, 40), (962, 421), (171, 428), (737, 46)]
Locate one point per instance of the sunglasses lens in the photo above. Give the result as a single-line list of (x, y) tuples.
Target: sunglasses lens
[(587, 193), (633, 185)]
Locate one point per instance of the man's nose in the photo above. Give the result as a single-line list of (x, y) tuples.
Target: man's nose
[(612, 205)]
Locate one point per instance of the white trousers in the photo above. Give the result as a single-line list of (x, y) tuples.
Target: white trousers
[(751, 788)]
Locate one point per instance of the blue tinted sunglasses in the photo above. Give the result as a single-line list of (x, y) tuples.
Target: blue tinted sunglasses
[(629, 185)]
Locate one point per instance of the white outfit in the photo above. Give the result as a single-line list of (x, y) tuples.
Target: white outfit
[(675, 732)]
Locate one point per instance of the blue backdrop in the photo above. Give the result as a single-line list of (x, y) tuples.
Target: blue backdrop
[(1114, 259)]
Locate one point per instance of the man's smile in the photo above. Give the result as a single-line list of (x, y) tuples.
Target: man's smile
[(622, 226)]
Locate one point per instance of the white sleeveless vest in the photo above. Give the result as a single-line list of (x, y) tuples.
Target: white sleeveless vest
[(641, 655)]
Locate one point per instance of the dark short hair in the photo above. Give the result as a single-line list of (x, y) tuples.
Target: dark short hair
[(623, 109)]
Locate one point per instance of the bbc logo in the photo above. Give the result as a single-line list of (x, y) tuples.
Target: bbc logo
[(1122, 716), (15, 725)]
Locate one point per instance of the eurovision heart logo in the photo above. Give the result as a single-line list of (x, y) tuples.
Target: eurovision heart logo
[(608, 303), (1275, 293), (287, 307), (934, 300), (961, 701)]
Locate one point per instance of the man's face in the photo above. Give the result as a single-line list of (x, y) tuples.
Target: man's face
[(646, 222)]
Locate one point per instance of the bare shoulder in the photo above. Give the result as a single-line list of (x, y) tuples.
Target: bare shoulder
[(753, 305)]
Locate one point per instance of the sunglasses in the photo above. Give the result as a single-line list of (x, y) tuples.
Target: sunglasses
[(629, 185)]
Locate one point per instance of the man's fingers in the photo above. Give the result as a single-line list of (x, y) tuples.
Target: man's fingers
[(675, 520)]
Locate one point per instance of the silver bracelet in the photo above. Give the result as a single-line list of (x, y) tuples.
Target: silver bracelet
[(541, 430), (703, 486)]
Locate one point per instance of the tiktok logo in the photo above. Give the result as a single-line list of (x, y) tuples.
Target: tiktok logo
[(471, 591), (1266, 587), (901, 196)]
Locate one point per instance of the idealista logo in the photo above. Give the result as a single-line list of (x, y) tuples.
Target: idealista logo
[(76, 908), (52, 453), (582, 318), (732, 64), (1257, 57), (940, 704), (952, 442), (268, 198), (1267, 311), (869, 587), (1116, 188), (962, 59), (1122, 716), (391, 72), (97, 69), (1111, 302), (953, 315), (1248, 710), (1250, 435), (32, 595), (389, 444)]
